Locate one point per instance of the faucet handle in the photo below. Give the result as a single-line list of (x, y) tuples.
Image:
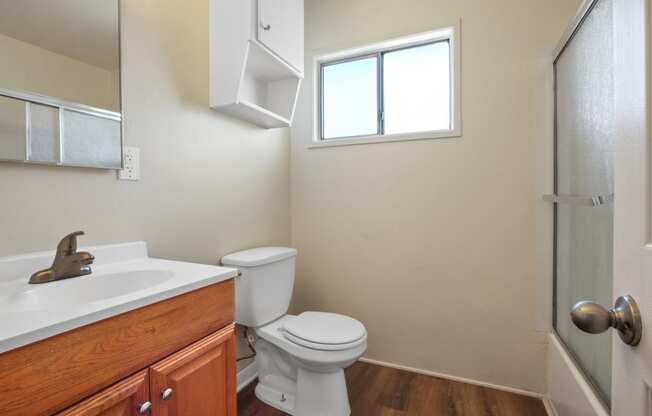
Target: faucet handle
[(68, 244)]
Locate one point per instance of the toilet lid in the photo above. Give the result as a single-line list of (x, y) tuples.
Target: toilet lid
[(322, 330)]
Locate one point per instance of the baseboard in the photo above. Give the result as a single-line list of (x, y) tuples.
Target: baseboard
[(247, 375), (550, 406), (454, 378)]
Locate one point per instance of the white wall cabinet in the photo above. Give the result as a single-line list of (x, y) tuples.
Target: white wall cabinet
[(280, 28), (256, 59)]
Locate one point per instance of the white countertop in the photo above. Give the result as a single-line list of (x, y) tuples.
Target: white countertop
[(124, 278)]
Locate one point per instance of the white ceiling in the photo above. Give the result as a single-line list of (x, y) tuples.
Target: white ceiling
[(86, 30)]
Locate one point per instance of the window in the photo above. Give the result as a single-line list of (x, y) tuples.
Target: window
[(350, 98), (403, 89)]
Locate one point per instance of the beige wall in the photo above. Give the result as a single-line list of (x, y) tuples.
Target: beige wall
[(432, 243), (34, 69), (210, 184)]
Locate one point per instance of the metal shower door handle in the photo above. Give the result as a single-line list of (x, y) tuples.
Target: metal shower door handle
[(624, 316), (580, 200)]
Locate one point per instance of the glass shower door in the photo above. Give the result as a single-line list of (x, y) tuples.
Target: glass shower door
[(584, 184)]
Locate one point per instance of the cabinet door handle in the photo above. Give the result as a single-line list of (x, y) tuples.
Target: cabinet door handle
[(145, 408), (167, 394), (266, 27)]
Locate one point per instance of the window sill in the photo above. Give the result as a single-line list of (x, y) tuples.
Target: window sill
[(404, 137)]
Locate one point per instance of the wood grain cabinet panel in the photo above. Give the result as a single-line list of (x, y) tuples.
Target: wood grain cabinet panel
[(202, 379), (122, 399)]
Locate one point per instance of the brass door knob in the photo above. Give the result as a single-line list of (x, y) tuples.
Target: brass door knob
[(593, 318)]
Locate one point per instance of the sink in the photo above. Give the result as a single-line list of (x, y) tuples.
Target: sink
[(81, 290), (124, 278)]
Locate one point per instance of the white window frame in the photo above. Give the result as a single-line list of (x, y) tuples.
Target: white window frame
[(450, 34)]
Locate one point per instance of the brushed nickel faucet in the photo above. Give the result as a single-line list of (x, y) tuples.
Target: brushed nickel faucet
[(67, 262)]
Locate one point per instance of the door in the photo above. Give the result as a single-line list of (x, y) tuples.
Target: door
[(280, 28), (197, 381), (129, 397), (632, 375)]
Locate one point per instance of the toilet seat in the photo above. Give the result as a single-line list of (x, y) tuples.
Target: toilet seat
[(324, 331)]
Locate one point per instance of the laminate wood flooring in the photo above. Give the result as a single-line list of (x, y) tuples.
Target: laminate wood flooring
[(382, 391)]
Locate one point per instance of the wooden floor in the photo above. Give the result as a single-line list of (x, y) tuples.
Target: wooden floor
[(380, 391)]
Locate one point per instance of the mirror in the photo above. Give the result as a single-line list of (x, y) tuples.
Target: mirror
[(60, 100)]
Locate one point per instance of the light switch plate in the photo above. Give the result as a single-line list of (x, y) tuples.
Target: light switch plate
[(131, 164)]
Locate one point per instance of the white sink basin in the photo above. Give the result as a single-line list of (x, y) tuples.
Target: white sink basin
[(124, 278), (80, 291)]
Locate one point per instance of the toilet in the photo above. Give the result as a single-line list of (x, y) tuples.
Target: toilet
[(300, 358)]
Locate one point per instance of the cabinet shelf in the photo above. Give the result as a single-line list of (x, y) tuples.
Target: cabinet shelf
[(267, 89), (255, 114), (250, 80)]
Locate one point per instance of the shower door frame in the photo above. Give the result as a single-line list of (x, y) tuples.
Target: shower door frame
[(593, 403)]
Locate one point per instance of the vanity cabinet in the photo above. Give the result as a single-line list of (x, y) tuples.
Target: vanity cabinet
[(256, 59), (113, 367), (196, 381)]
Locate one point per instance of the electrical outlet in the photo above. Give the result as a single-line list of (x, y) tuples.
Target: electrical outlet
[(131, 164)]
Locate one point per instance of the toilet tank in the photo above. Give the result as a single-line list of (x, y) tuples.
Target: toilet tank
[(264, 289)]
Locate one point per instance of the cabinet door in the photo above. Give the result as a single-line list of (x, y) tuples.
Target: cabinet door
[(125, 398), (199, 380), (280, 28)]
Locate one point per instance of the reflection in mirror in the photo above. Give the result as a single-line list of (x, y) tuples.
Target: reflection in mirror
[(13, 129), (66, 49), (60, 82)]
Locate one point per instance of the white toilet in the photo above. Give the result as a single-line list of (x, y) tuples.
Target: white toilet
[(300, 359)]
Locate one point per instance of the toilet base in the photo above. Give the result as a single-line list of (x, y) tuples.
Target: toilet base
[(322, 394), (276, 398), (313, 394)]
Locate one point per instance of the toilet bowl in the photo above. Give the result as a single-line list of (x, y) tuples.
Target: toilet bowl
[(300, 358), (301, 379)]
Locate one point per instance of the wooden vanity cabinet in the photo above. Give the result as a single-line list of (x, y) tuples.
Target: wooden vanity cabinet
[(196, 381), (113, 367)]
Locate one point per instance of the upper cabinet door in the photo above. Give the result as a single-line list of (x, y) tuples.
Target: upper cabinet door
[(197, 381), (129, 397), (280, 28)]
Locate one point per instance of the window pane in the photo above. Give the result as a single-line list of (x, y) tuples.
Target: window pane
[(350, 98), (417, 89)]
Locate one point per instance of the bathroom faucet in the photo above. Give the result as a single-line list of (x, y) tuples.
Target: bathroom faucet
[(67, 263)]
